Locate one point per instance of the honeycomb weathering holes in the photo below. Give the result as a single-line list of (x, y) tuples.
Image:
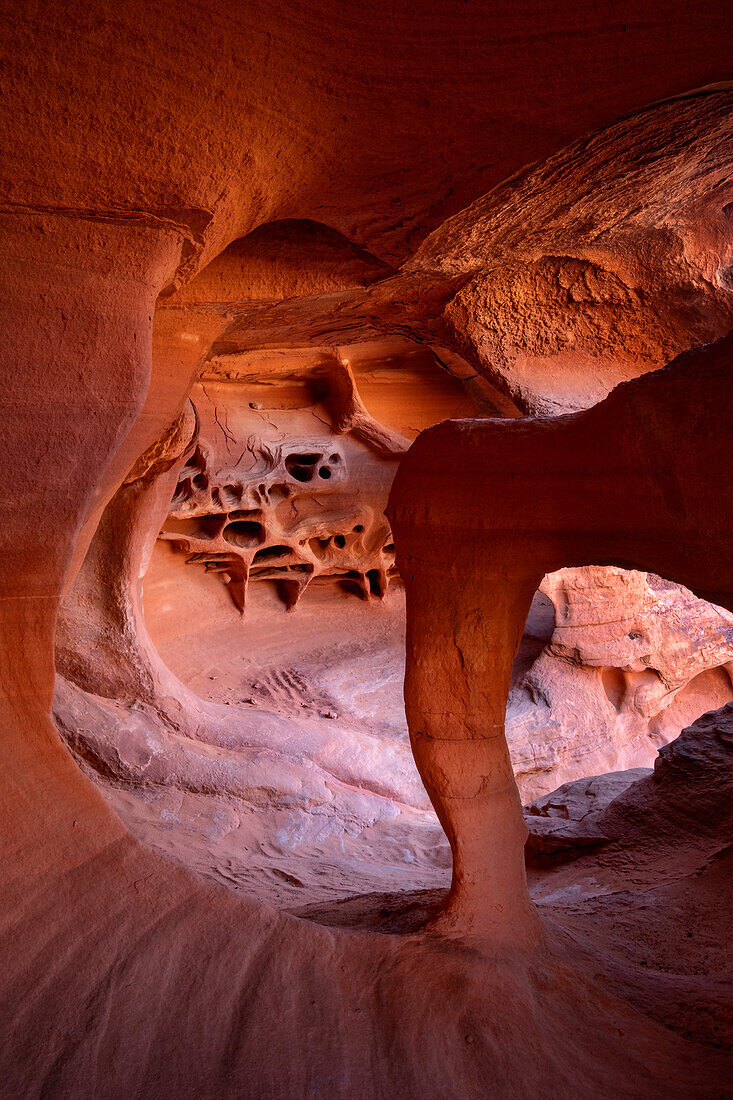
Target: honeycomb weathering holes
[(288, 535), (245, 533)]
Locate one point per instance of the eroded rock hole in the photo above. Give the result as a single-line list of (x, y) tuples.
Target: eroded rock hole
[(279, 492), (245, 533), (319, 546), (230, 495), (248, 514), (376, 585), (199, 527), (271, 552), (303, 466)]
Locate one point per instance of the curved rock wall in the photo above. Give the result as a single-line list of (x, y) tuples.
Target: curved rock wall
[(599, 263), (141, 141)]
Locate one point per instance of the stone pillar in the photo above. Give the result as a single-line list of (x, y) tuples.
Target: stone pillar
[(480, 511), (464, 624)]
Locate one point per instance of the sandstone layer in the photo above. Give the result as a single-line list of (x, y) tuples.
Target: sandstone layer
[(383, 221)]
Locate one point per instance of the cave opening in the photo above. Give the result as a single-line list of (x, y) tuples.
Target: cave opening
[(277, 505), (366, 376)]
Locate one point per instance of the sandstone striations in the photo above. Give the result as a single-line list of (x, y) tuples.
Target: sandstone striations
[(266, 273)]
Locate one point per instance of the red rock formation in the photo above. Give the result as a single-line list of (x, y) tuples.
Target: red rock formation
[(465, 509), (628, 660), (143, 143), (600, 263), (287, 513)]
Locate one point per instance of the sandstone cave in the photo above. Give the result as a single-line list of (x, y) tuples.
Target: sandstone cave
[(367, 648)]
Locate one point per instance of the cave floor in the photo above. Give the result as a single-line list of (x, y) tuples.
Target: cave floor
[(655, 925)]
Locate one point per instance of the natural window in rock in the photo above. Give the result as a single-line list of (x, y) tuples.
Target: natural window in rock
[(278, 505), (597, 689), (333, 587)]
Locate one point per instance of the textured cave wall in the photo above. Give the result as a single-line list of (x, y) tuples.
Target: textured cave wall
[(290, 476), (138, 145), (273, 494), (600, 263), (216, 121), (317, 364)]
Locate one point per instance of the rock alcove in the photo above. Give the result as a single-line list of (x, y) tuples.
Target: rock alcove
[(366, 703)]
